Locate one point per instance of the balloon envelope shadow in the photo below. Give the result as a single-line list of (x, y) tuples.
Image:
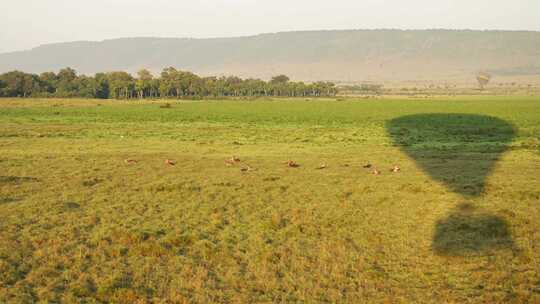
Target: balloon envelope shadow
[(458, 150)]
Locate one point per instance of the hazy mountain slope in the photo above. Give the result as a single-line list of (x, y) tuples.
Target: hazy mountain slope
[(316, 55)]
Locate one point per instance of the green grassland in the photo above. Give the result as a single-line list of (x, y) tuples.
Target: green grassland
[(460, 223)]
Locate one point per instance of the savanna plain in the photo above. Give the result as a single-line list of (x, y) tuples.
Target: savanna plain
[(270, 200)]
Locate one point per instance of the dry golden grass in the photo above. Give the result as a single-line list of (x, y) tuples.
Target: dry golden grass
[(79, 224)]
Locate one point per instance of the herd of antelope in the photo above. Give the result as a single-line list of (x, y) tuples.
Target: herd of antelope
[(234, 160)]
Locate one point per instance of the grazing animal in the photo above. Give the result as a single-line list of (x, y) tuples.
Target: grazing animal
[(130, 161), (292, 164), (232, 161), (322, 166), (247, 168), (367, 166), (170, 162), (376, 172), (395, 169)]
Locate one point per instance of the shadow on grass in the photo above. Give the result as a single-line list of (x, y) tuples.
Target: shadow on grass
[(458, 150), (467, 231), (7, 200), (16, 179)]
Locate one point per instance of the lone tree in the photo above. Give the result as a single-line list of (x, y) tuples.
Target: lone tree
[(483, 79), (279, 79)]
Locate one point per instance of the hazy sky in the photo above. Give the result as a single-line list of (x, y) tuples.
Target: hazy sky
[(29, 23)]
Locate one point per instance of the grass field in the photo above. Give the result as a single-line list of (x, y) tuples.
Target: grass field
[(460, 223)]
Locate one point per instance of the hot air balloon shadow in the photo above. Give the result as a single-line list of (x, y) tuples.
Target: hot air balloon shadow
[(459, 151), (468, 231)]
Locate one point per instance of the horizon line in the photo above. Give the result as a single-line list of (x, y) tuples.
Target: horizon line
[(267, 33)]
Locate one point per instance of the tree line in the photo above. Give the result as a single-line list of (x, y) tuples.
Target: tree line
[(171, 83)]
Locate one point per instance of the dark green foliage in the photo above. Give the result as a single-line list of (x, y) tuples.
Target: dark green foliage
[(101, 86), (19, 84), (280, 79), (2, 86), (49, 82), (173, 83), (121, 85)]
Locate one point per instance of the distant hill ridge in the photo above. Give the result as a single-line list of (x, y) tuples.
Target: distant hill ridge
[(344, 55)]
